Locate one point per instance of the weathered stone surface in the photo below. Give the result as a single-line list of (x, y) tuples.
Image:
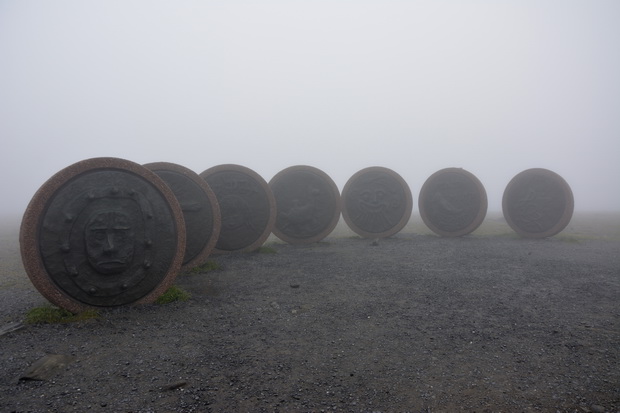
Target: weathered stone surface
[(538, 203), (376, 202), (247, 206), (201, 210), (308, 204), (452, 202), (102, 232)]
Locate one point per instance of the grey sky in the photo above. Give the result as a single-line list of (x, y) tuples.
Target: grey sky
[(415, 86)]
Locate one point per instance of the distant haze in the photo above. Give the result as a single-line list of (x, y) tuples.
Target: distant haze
[(495, 87)]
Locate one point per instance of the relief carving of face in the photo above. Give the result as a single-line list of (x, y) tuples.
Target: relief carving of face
[(374, 199), (109, 241)]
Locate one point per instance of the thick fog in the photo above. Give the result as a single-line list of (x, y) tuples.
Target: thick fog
[(415, 86)]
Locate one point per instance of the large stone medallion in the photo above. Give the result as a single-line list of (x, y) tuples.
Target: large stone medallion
[(538, 203), (201, 211), (102, 232), (247, 206), (308, 204), (452, 202), (376, 202)]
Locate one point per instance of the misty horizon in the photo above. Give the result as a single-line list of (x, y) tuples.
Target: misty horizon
[(493, 88)]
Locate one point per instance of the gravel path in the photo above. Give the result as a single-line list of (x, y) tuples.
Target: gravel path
[(413, 323)]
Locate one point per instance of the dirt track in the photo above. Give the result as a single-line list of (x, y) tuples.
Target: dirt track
[(488, 322)]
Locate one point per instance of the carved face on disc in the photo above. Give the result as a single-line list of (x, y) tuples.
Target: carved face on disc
[(375, 201), (110, 238)]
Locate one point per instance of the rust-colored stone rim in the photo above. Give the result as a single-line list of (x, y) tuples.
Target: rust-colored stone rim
[(477, 221), (30, 225), (564, 219), (408, 203), (336, 213), (270, 199), (201, 257)]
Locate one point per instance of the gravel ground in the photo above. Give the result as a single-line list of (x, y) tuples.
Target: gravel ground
[(414, 323)]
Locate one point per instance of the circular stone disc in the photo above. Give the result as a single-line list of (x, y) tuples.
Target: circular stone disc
[(308, 204), (201, 211), (538, 203), (247, 206), (102, 232), (376, 202), (452, 202)]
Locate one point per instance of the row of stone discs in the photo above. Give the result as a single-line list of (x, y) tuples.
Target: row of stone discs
[(301, 204), (107, 232), (102, 232), (537, 203), (378, 204)]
